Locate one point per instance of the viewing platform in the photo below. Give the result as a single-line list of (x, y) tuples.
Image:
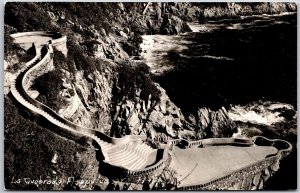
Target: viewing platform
[(208, 164), (198, 166)]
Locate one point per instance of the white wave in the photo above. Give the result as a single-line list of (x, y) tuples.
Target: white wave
[(217, 57), (235, 26), (196, 27), (238, 134), (268, 15), (264, 114), (205, 27), (207, 56), (156, 47)]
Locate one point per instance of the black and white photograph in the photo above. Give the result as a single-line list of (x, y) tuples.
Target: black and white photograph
[(160, 96)]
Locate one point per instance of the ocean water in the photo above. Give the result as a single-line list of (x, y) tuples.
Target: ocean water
[(247, 65), (231, 61)]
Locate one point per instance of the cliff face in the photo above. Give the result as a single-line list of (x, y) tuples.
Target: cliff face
[(160, 119), (9, 71), (89, 106), (14, 59), (90, 85), (87, 91), (226, 10), (207, 123), (254, 181), (278, 120)]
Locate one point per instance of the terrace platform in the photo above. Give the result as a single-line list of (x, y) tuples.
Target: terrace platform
[(201, 165)]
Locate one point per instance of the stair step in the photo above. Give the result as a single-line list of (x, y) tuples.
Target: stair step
[(126, 158), (132, 162), (123, 150), (139, 148), (126, 162), (119, 155), (117, 149), (138, 165)]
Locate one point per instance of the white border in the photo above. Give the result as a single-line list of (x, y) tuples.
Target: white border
[(2, 72)]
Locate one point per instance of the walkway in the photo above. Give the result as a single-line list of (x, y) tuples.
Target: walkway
[(201, 165), (193, 165), (26, 41), (130, 153)]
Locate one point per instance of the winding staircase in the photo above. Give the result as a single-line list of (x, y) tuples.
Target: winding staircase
[(131, 154)]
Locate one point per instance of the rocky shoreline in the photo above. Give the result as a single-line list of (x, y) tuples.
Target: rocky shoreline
[(89, 87), (94, 100)]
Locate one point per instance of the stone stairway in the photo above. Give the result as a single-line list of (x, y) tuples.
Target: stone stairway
[(131, 155)]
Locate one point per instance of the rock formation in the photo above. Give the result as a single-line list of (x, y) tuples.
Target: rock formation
[(88, 91)]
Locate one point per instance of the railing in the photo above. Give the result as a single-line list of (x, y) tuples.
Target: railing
[(56, 36), (24, 98), (212, 142), (59, 41), (243, 172), (284, 151), (159, 165), (128, 138), (47, 109)]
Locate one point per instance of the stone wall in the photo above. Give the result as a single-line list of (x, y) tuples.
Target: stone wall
[(212, 142), (251, 177), (155, 170), (46, 65), (58, 41), (61, 44)]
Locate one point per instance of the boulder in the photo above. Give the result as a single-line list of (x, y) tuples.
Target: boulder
[(133, 120), (260, 185), (172, 25), (274, 167), (255, 180), (203, 117), (265, 175), (157, 118), (54, 159)]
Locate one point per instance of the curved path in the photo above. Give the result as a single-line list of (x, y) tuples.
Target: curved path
[(137, 158), (129, 152)]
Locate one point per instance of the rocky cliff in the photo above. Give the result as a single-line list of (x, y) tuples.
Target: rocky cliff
[(206, 11), (89, 79), (91, 87)]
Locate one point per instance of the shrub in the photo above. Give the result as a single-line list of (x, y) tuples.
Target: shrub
[(98, 14), (82, 62), (131, 45), (132, 79), (59, 60), (29, 149), (10, 49), (27, 16), (49, 86)]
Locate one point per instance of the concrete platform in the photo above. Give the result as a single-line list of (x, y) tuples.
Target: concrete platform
[(200, 165), (26, 41)]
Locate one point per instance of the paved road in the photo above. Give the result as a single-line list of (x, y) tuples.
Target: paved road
[(205, 164)]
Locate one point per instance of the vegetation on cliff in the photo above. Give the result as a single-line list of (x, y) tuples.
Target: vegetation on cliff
[(117, 96), (134, 79), (26, 143), (223, 10), (49, 86), (14, 53)]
